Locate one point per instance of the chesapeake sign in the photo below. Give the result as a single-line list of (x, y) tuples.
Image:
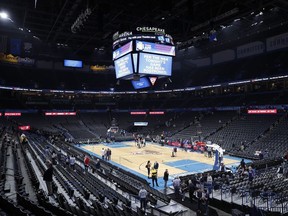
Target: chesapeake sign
[(150, 30)]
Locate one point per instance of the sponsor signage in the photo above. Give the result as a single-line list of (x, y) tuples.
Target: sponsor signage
[(138, 113), (60, 113), (12, 114), (8, 58), (157, 113), (263, 111), (24, 128), (99, 67)]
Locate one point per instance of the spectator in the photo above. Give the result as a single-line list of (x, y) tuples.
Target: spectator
[(47, 152), (109, 153), (199, 197), (261, 156), (251, 174), (242, 164), (103, 153), (280, 171), (72, 162), (86, 163), (223, 167), (191, 189), (143, 142), (209, 183), (54, 156), (59, 156), (143, 196), (166, 178), (242, 147), (148, 167), (176, 185), (183, 189), (286, 156), (47, 177), (154, 177), (62, 159), (209, 152), (204, 201), (97, 165), (220, 157), (67, 161)]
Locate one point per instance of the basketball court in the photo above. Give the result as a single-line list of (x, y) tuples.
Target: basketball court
[(129, 157)]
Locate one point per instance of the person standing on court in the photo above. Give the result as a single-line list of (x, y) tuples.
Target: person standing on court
[(166, 178), (103, 153), (142, 195), (47, 177), (148, 167), (154, 176), (156, 165)]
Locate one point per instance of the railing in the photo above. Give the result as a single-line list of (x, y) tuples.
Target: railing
[(266, 201)]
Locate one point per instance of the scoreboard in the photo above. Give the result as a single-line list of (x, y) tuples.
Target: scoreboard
[(124, 66), (143, 46), (127, 48), (143, 54), (146, 53), (151, 64)]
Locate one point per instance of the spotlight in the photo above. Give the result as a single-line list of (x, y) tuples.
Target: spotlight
[(4, 15)]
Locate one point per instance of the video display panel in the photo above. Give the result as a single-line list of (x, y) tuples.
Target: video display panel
[(143, 46), (123, 66), (125, 49), (142, 83), (141, 124), (73, 63), (151, 64)]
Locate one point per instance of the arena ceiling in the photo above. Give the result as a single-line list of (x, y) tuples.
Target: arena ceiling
[(51, 21)]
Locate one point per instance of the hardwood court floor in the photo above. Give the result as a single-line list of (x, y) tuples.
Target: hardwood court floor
[(130, 156)]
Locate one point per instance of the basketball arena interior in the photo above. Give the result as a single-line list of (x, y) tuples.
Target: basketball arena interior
[(129, 107)]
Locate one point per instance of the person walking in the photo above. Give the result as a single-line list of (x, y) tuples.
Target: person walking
[(142, 195), (47, 177), (86, 163), (166, 178), (154, 176)]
